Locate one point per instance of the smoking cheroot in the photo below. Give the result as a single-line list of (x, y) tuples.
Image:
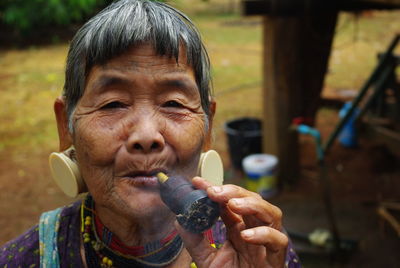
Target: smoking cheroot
[(194, 210)]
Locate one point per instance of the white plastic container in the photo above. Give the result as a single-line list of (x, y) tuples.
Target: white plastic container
[(261, 172)]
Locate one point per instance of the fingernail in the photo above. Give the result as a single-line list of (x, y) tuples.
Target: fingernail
[(248, 233), (217, 189)]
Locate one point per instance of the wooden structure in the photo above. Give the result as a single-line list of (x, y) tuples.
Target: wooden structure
[(385, 211), (298, 37)]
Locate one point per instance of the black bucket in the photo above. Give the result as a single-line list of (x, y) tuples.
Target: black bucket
[(244, 138)]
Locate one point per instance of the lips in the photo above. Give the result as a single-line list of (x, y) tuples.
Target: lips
[(143, 178)]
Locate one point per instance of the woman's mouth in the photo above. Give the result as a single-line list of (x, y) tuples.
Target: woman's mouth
[(143, 178)]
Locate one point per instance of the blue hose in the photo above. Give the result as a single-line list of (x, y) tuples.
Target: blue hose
[(304, 129)]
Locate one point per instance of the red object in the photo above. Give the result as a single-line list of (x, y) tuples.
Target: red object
[(309, 121)]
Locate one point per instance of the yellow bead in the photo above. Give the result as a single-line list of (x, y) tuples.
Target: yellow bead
[(86, 240), (88, 220), (85, 235), (105, 260), (109, 263)]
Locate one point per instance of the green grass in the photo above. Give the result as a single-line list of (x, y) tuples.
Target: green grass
[(234, 45), (356, 44), (30, 81)]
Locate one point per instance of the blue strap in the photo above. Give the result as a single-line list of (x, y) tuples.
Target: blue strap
[(48, 229)]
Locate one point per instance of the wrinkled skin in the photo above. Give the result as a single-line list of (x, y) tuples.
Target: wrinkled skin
[(141, 113), (253, 229)]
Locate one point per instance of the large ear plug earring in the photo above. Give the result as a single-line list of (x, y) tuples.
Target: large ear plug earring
[(211, 168), (66, 173)]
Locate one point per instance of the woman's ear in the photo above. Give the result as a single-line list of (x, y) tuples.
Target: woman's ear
[(209, 136), (64, 135)]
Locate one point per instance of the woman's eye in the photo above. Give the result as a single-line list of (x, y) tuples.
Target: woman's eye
[(173, 104), (113, 105)]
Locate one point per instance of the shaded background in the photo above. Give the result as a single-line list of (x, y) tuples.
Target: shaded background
[(32, 58)]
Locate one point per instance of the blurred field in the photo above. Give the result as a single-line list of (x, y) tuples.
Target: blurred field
[(31, 78)]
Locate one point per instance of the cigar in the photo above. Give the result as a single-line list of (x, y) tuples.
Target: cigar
[(194, 210)]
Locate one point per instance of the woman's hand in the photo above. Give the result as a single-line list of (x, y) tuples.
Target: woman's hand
[(254, 237)]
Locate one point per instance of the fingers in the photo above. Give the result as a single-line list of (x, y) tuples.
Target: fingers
[(256, 213), (201, 183), (229, 217), (271, 238), (241, 204), (253, 225), (274, 242), (254, 210), (226, 192), (197, 245)]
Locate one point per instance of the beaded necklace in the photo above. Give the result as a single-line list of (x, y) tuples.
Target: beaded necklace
[(102, 249)]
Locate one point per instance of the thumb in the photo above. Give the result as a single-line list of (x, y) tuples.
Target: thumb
[(198, 246)]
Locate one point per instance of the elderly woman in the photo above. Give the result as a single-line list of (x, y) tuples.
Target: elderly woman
[(136, 102)]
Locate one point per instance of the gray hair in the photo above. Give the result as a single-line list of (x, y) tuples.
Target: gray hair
[(128, 23)]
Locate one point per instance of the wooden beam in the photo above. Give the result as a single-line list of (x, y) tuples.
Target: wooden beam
[(393, 3), (296, 52), (355, 5), (298, 7), (384, 213), (382, 134)]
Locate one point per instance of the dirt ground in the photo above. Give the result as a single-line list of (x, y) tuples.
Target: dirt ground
[(360, 178)]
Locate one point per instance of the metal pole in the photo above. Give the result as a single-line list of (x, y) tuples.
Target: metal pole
[(374, 76), (381, 85)]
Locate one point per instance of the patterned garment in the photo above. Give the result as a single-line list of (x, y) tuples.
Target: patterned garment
[(25, 250)]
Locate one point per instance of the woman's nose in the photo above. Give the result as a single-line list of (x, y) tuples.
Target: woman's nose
[(145, 137)]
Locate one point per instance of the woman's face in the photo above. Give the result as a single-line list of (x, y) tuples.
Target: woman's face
[(140, 113)]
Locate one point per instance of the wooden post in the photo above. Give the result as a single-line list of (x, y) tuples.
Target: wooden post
[(296, 52)]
